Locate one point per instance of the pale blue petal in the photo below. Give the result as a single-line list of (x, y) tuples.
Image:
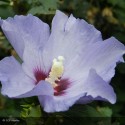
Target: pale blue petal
[(42, 88), (33, 61), (59, 21), (14, 81), (68, 37), (64, 101), (21, 29), (101, 56), (57, 104), (96, 88), (0, 21)]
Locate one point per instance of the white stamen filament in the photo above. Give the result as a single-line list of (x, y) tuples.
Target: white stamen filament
[(56, 71)]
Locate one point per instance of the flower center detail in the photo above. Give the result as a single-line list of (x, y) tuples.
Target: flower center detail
[(56, 71)]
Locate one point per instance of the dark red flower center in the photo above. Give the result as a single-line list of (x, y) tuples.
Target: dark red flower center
[(39, 75), (62, 85)]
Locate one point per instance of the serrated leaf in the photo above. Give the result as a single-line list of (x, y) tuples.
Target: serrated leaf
[(31, 111), (35, 111), (26, 105)]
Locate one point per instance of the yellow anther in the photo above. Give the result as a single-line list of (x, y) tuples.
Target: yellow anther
[(56, 71)]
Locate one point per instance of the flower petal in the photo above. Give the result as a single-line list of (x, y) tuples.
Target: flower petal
[(33, 62), (28, 28), (101, 56), (95, 87), (0, 21), (69, 36), (42, 88), (14, 81), (59, 21), (53, 104), (109, 53), (64, 101)]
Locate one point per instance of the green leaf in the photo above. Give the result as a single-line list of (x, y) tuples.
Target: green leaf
[(8, 107), (6, 12), (113, 2), (118, 3), (85, 114), (35, 111), (3, 3), (26, 106), (46, 7), (30, 110), (105, 111), (83, 111), (120, 15), (31, 114)]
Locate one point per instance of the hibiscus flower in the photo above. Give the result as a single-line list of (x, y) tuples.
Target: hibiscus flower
[(67, 65)]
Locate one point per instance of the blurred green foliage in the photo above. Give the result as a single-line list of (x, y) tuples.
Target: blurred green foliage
[(108, 16)]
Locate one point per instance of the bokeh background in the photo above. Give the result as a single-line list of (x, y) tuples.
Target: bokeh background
[(108, 16)]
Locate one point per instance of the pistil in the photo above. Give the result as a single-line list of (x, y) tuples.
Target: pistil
[(56, 71)]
